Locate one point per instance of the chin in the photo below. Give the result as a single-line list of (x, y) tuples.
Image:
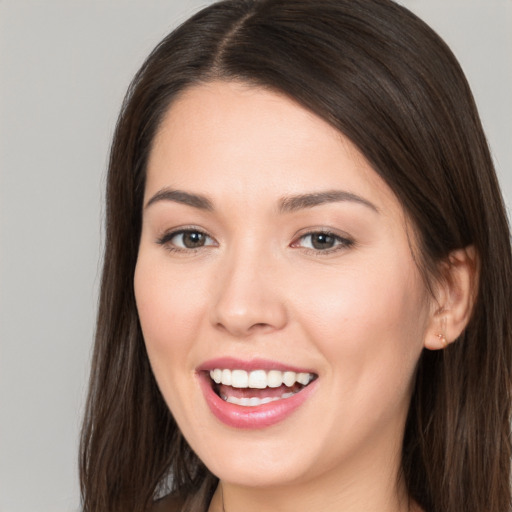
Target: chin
[(251, 471)]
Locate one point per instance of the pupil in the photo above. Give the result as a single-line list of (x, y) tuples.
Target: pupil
[(322, 241), (193, 239)]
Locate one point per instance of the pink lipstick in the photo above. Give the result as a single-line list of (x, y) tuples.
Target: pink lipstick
[(254, 394)]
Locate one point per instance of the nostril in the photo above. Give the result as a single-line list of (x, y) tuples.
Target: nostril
[(241, 329), (260, 326)]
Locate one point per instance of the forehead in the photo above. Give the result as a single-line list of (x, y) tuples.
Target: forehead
[(230, 138)]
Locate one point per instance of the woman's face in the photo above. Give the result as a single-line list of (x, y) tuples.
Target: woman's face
[(271, 251)]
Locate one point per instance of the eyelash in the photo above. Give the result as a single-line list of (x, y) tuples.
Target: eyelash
[(340, 241), (167, 237)]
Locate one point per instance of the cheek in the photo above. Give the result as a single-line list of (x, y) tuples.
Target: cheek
[(370, 323), (359, 298), (170, 306)]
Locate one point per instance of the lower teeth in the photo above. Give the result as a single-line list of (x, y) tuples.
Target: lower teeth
[(254, 401)]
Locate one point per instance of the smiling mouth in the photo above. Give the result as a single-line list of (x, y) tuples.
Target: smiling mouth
[(257, 387)]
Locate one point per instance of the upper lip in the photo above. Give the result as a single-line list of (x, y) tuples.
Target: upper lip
[(231, 363)]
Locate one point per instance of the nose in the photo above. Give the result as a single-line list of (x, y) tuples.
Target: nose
[(249, 296)]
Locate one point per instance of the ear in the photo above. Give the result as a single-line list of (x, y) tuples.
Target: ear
[(454, 296)]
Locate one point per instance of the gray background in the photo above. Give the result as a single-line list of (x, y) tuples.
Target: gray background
[(64, 67)]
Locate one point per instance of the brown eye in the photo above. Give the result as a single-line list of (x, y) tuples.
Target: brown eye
[(320, 241), (187, 239), (192, 239)]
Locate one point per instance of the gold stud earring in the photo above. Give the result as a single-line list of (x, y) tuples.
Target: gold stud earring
[(442, 340)]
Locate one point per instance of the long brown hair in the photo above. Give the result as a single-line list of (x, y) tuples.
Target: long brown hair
[(384, 79)]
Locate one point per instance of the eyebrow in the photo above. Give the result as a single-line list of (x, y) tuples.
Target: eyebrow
[(179, 196), (302, 201), (286, 204)]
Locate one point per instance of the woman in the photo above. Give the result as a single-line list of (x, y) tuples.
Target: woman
[(307, 282)]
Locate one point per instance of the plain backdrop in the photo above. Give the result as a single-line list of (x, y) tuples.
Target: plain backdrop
[(64, 67)]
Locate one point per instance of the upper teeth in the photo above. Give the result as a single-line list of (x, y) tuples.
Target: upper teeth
[(259, 379)]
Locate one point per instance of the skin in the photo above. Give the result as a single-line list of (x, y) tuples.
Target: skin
[(358, 314)]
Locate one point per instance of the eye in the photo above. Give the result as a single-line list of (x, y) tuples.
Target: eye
[(186, 239), (323, 241)]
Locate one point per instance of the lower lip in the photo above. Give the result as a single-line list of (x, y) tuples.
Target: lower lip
[(260, 416)]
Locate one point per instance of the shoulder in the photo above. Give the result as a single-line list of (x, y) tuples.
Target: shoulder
[(168, 503)]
